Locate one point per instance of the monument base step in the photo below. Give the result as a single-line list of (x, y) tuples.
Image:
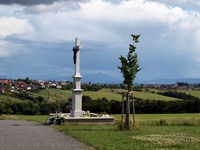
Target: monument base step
[(89, 120)]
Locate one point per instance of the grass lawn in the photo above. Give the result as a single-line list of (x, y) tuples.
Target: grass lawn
[(183, 133), (148, 135), (143, 117), (143, 138)]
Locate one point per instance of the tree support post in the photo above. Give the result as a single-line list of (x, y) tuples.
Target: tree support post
[(134, 125), (122, 117)]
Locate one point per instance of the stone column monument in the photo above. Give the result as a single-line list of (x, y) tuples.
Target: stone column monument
[(76, 110)]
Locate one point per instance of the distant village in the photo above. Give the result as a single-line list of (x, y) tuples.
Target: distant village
[(177, 86), (23, 85)]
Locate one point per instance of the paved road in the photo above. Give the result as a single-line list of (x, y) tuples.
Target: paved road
[(27, 135)]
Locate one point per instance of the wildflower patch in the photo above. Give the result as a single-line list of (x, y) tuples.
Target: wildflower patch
[(166, 140)]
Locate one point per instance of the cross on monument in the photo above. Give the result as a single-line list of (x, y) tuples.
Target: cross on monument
[(76, 110)]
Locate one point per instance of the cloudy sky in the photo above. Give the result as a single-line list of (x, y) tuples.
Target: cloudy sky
[(37, 37)]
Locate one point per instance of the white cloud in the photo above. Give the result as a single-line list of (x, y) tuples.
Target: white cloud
[(12, 25), (164, 30), (114, 21)]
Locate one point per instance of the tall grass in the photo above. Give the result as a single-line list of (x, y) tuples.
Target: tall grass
[(192, 119)]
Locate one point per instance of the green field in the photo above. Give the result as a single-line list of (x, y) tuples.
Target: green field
[(52, 94), (149, 135), (56, 95), (110, 94), (194, 93)]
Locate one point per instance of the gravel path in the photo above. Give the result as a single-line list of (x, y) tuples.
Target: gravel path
[(28, 135)]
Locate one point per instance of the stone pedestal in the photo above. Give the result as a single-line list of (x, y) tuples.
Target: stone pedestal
[(76, 110), (77, 99)]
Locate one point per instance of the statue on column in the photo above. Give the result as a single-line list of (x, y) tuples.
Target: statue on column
[(75, 49)]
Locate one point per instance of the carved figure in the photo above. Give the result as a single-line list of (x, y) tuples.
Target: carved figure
[(75, 49)]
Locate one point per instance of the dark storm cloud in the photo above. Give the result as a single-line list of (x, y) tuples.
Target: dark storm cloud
[(33, 2), (27, 2)]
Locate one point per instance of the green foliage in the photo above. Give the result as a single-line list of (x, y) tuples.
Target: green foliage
[(97, 106), (97, 102), (130, 66), (183, 84), (56, 119), (180, 95), (23, 103), (68, 86), (23, 96), (27, 80), (91, 87)]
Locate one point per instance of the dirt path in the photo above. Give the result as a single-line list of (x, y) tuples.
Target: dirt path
[(28, 135)]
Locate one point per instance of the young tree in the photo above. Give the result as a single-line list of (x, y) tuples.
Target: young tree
[(129, 68)]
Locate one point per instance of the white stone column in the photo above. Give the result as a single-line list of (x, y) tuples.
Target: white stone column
[(76, 110)]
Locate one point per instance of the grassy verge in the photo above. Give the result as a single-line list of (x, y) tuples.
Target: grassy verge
[(145, 137), (38, 118)]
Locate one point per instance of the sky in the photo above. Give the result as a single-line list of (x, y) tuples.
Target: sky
[(37, 37)]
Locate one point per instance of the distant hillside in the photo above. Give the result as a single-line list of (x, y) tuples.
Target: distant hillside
[(95, 78), (100, 78), (173, 81)]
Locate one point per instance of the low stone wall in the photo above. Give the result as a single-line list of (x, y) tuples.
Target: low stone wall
[(89, 120)]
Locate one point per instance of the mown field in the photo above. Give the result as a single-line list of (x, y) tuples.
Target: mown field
[(53, 95), (56, 95), (184, 133)]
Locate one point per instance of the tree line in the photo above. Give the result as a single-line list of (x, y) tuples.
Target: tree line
[(29, 105), (142, 106), (180, 95)]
